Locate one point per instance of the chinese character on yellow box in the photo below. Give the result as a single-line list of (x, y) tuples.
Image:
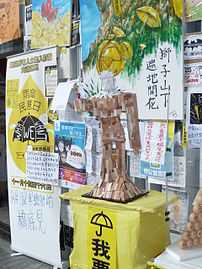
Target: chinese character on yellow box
[(117, 236)]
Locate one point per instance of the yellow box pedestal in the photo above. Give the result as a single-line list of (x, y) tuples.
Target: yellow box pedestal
[(137, 231)]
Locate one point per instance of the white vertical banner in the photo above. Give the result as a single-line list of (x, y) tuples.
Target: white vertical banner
[(34, 204)]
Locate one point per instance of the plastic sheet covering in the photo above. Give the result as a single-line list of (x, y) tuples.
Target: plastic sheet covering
[(117, 236)]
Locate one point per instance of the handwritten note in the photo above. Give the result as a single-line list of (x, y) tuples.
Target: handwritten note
[(154, 146), (43, 166), (31, 208)]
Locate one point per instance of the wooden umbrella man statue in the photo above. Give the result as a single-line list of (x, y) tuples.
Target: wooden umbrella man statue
[(114, 184)]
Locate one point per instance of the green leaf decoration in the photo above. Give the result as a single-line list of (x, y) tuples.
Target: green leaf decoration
[(149, 16)]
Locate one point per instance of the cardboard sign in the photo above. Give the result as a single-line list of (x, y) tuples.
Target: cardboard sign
[(10, 21)]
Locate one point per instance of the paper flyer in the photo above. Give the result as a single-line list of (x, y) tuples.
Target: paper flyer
[(160, 171), (70, 138), (154, 146), (193, 46), (194, 117), (193, 74)]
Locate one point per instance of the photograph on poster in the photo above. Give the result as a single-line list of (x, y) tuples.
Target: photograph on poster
[(70, 140), (148, 63)]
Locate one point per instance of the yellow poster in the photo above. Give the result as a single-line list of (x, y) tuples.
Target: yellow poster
[(27, 107), (9, 20), (26, 126), (101, 242)]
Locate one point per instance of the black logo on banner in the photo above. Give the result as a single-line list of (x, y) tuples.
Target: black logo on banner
[(29, 128)]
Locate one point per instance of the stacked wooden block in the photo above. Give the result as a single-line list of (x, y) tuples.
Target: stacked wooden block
[(114, 184)]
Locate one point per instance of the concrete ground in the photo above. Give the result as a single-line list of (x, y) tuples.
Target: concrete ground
[(17, 262)]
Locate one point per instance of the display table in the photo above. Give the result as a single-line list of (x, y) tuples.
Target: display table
[(111, 235), (175, 258)]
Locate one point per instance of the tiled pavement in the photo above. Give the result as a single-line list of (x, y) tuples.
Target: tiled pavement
[(17, 262)]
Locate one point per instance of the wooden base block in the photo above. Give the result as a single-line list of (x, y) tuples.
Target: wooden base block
[(121, 191)]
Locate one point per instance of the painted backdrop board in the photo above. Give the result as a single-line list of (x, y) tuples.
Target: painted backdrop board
[(51, 23), (34, 206), (9, 20), (140, 43)]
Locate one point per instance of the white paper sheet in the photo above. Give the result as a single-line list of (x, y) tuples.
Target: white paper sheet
[(62, 95)]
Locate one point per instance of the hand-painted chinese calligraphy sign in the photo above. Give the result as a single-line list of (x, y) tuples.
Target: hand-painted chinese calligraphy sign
[(157, 88), (101, 240)]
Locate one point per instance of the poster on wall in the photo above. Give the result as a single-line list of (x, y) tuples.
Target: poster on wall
[(42, 166), (70, 138), (9, 21), (193, 10), (193, 46), (27, 27), (51, 23), (141, 45), (193, 74), (194, 117), (27, 128), (157, 153)]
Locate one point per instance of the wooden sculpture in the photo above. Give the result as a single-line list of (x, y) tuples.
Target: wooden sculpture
[(114, 184), (192, 237)]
